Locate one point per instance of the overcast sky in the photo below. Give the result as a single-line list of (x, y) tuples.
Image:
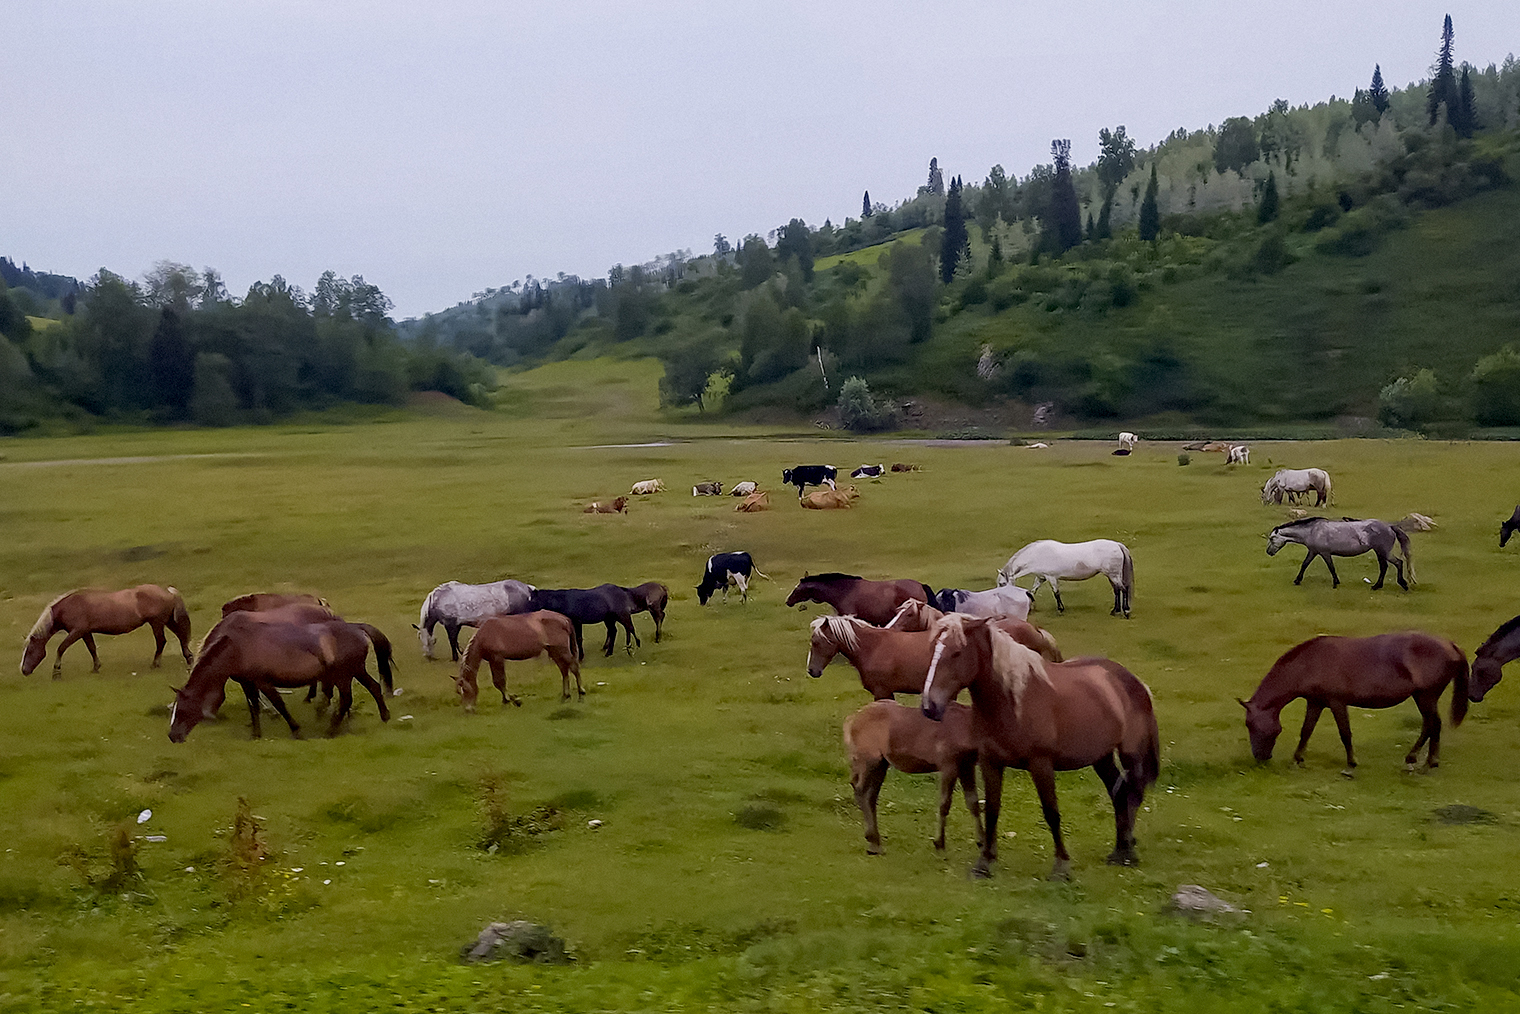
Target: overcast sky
[(441, 147)]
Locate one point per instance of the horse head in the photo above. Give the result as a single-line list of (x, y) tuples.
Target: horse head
[(1263, 726), (1486, 673), (822, 646), (425, 637), (33, 654), (957, 661), (800, 594), (1275, 541), (186, 713)]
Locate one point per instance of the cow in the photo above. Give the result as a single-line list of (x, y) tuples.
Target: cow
[(647, 486), (760, 501), (830, 499), (868, 472), (713, 488), (619, 505), (743, 488), (905, 466), (1127, 441), (724, 569), (809, 475), (1238, 454)]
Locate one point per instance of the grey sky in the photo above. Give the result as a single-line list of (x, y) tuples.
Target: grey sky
[(439, 148)]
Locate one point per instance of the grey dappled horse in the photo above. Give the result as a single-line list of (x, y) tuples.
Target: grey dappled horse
[(1326, 538)]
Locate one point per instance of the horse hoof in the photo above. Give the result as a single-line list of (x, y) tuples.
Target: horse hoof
[(981, 871), (1123, 857), (1348, 773), (939, 845), (1060, 872)]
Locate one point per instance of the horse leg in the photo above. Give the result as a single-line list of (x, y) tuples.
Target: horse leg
[(279, 705), (627, 622), (867, 785), (1055, 589), (184, 642), (158, 640), (1430, 729), (1335, 579), (966, 770), (1043, 772), (580, 645), (611, 638), (345, 702), (452, 629), (1307, 560), (1382, 560), (659, 624), (1343, 723), (1118, 600), (992, 785), (1398, 569), (252, 694), (1311, 717), (1122, 796), (947, 776), (373, 686), (89, 642), (499, 678)]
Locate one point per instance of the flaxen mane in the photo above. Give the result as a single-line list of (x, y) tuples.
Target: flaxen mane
[(44, 625), (1014, 665), (841, 629)]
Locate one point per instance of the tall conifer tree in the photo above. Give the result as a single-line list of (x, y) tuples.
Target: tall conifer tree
[(1377, 91), (865, 205), (1443, 80), (1465, 117), (1266, 211), (1064, 229), (1150, 214), (954, 242)]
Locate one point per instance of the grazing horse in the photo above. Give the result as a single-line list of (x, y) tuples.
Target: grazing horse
[(1009, 600), (313, 612), (1293, 482), (606, 604), (1508, 528), (1325, 538), (653, 597), (89, 611), (884, 733), (258, 602), (851, 595), (1368, 672), (519, 638), (1502, 646), (458, 605), (1049, 560), (915, 615), (263, 654), (1088, 712)]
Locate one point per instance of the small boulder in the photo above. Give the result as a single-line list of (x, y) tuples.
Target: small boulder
[(1200, 903), (519, 940)]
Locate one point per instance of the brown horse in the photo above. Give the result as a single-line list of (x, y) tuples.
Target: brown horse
[(264, 653), (1502, 646), (884, 733), (653, 597), (893, 661), (519, 638), (1088, 712), (89, 611), (916, 615), (308, 609), (1368, 672), (873, 601), (258, 602)]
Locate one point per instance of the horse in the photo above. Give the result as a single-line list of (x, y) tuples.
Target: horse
[(883, 734), (1009, 600), (1368, 672), (915, 615), (830, 499), (1238, 454), (257, 602), (1508, 528), (518, 637), (318, 612), (1292, 482), (86, 612), (893, 661), (1325, 538), (262, 654), (1502, 646), (606, 603), (458, 605), (1088, 712), (1049, 560), (850, 595), (653, 597)]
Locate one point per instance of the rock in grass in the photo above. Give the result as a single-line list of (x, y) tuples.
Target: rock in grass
[(519, 940), (1200, 903)]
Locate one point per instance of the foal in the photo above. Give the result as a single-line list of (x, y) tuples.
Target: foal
[(884, 733)]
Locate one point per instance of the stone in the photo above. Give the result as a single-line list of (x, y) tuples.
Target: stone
[(1200, 903), (519, 940)]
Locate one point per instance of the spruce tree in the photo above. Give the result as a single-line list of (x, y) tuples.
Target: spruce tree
[(954, 242), (1465, 117), (1105, 230), (1150, 214), (1443, 80), (865, 205), (1266, 211), (1377, 91), (1064, 230), (936, 185), (171, 363)]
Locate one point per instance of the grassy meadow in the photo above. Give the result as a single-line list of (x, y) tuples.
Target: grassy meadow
[(729, 872)]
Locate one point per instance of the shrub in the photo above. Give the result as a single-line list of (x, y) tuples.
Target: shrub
[(1411, 402), (858, 410), (1496, 388)]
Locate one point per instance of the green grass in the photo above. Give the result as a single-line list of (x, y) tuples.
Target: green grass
[(867, 256), (730, 872)]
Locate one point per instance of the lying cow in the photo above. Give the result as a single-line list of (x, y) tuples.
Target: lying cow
[(809, 475), (646, 486), (903, 466), (618, 506), (743, 489), (831, 499), (754, 502), (724, 569), (713, 488), (868, 472)]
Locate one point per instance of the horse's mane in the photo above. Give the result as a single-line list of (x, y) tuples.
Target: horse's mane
[(842, 629), (44, 625), (1013, 664), (1297, 522), (833, 576), (1505, 629)]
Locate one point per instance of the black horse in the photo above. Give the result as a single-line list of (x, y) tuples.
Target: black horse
[(1508, 528), (606, 603)]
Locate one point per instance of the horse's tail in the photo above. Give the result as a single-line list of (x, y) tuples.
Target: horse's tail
[(1403, 538), (383, 655), (1128, 572), (469, 662), (1150, 763), (929, 597), (1459, 688), (1329, 487), (181, 616)]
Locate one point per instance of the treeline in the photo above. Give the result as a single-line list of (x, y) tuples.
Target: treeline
[(177, 347)]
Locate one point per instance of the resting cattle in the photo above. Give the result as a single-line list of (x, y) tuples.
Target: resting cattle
[(619, 505), (831, 499), (868, 472), (646, 486), (724, 569), (809, 475), (903, 466), (755, 502), (713, 488), (743, 489)]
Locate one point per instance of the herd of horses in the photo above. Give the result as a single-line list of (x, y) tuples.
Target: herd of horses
[(1030, 706)]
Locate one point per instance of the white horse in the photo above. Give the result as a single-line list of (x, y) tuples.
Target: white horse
[(1008, 600), (1127, 441), (458, 605), (1294, 482), (1049, 560)]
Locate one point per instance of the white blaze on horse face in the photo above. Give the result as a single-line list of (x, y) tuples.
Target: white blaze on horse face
[(939, 649)]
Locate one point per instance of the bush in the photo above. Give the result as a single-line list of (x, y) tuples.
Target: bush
[(1411, 402), (1272, 255), (1496, 388), (858, 410)]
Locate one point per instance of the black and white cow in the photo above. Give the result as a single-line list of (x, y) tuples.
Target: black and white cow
[(724, 569), (713, 488), (809, 475), (868, 472)]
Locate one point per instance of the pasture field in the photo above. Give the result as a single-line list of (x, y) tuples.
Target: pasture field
[(729, 872)]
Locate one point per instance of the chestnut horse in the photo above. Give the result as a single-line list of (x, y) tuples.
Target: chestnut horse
[(518, 637), (894, 661), (872, 601), (258, 602), (916, 615), (264, 653), (1088, 712), (89, 611), (1368, 672), (884, 733), (309, 609)]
